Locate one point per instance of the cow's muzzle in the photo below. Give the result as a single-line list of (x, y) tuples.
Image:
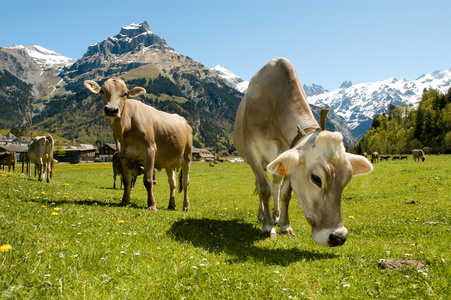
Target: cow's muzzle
[(111, 111), (331, 237), (337, 239)]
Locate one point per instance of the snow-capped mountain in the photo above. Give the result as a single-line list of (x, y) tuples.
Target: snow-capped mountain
[(35, 65), (232, 80), (360, 102)]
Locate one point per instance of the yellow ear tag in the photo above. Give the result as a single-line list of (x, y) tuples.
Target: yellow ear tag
[(282, 171)]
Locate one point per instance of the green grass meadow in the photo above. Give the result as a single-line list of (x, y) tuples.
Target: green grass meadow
[(71, 240)]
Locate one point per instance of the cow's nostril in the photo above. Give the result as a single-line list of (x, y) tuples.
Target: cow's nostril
[(111, 111), (336, 240)]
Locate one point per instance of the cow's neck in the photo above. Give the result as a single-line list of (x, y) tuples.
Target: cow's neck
[(119, 126), (302, 133)]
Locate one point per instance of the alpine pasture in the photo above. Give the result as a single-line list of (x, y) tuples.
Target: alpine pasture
[(69, 239)]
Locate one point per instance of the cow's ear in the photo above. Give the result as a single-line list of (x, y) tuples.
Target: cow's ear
[(92, 86), (136, 91), (360, 164), (286, 163)]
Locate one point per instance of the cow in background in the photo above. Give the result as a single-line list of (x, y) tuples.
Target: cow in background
[(117, 170), (8, 159), (374, 157), (417, 154), (145, 135), (275, 130), (40, 152)]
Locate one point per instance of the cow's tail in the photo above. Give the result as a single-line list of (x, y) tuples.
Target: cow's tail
[(181, 181)]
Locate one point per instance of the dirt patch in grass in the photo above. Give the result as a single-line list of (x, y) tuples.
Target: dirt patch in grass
[(400, 264)]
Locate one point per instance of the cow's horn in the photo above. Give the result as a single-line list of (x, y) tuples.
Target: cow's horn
[(324, 112)]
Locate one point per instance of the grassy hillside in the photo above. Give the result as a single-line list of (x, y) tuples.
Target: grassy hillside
[(69, 239)]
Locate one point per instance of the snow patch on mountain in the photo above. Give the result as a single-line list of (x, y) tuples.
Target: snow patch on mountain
[(358, 103), (232, 80), (45, 57)]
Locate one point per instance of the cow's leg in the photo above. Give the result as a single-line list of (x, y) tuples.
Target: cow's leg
[(185, 182), (275, 194), (260, 205), (285, 194), (40, 172), (172, 185), (133, 181), (114, 180), (264, 192), (127, 179), (148, 178), (49, 171)]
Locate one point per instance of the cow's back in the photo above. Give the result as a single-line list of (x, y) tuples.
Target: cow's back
[(273, 106)]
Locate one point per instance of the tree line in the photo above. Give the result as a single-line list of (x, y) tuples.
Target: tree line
[(404, 128)]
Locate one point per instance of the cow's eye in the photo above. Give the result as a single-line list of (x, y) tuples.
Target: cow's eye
[(125, 94), (316, 180)]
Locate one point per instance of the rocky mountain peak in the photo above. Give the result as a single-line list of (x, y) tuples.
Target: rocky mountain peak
[(135, 29), (132, 37)]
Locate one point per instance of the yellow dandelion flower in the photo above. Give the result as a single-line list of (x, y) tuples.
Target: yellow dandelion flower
[(225, 208), (236, 208), (351, 217), (56, 208), (43, 206), (89, 198), (66, 196), (121, 221), (5, 248), (54, 213), (43, 193)]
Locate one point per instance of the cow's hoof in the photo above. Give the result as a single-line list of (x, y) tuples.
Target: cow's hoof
[(186, 209), (152, 208), (124, 203), (289, 232), (272, 235), (171, 207)]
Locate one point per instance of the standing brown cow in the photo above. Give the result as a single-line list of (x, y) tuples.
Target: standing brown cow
[(147, 136), (40, 152), (8, 159), (117, 170)]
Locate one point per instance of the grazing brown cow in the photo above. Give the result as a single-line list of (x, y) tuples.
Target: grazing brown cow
[(8, 159), (40, 152), (417, 154), (275, 130), (147, 136)]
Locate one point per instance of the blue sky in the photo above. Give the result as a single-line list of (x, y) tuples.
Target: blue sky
[(327, 41)]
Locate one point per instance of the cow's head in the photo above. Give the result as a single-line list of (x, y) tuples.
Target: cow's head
[(114, 93), (319, 169)]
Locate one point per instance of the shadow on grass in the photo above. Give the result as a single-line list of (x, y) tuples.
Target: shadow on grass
[(237, 238)]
